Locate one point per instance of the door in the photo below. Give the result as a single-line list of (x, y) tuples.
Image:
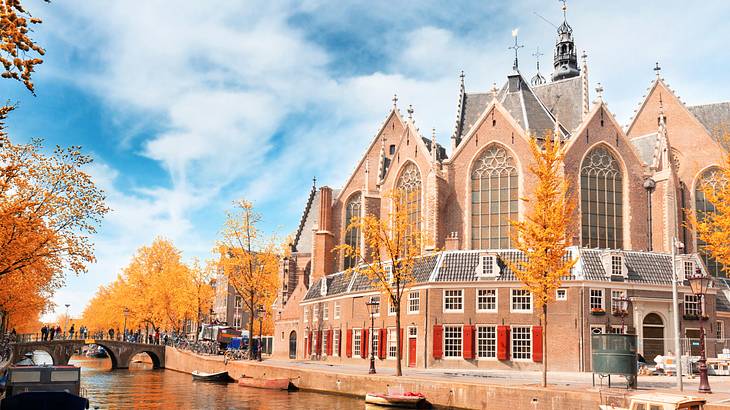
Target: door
[(293, 345), (412, 352), (653, 339), (693, 338)]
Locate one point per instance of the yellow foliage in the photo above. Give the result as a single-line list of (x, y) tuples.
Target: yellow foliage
[(16, 44)]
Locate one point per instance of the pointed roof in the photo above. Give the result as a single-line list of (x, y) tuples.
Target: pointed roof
[(526, 108), (715, 118), (307, 222), (564, 99)]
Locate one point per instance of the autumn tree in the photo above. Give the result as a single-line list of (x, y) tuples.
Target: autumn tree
[(544, 235), (391, 247), (19, 54), (713, 227), (249, 261), (200, 290)]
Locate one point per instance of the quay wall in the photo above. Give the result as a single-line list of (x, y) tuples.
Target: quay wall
[(448, 393)]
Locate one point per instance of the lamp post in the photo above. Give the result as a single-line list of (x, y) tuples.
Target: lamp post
[(65, 325), (124, 332), (372, 304), (621, 307), (261, 312), (699, 284)]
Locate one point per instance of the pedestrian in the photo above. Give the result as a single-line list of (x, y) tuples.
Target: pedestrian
[(44, 332), (111, 333), (71, 332), (58, 331), (52, 332)]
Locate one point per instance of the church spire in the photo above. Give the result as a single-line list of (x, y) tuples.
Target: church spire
[(538, 79), (516, 47), (565, 60)]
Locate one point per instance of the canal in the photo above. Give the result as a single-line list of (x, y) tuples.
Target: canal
[(140, 387)]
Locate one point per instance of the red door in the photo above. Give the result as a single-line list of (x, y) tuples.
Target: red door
[(412, 352)]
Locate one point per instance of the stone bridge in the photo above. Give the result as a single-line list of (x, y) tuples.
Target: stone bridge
[(120, 353)]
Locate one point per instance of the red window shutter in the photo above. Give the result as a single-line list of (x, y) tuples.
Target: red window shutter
[(329, 342), (400, 344), (537, 344), (364, 342), (383, 343), (468, 340), (438, 340), (349, 343), (309, 345), (503, 342), (319, 343)]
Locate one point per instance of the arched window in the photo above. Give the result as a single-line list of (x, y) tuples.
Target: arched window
[(410, 184), (494, 199), (601, 201), (352, 236), (712, 178)]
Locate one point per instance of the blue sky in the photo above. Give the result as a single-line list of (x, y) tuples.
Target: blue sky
[(186, 107)]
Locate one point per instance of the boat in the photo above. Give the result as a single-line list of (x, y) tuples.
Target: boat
[(43, 387), (219, 377), (261, 383), (97, 352), (661, 401), (408, 400)]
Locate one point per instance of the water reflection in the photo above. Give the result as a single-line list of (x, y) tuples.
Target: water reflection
[(141, 387)]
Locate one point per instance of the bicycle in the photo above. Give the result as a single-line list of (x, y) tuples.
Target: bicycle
[(235, 354)]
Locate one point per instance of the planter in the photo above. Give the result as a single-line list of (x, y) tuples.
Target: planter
[(695, 317), (598, 312)]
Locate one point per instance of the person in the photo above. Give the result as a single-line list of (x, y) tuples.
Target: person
[(71, 331), (52, 331), (44, 333), (13, 332), (58, 331), (111, 333)]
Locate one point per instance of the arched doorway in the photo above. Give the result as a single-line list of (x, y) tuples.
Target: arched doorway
[(653, 339), (293, 345)]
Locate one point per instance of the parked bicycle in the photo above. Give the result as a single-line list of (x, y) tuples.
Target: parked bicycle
[(235, 354)]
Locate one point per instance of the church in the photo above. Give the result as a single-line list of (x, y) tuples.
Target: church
[(466, 309)]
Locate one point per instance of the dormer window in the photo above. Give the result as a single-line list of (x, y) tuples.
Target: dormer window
[(617, 265), (323, 287), (686, 266), (613, 264), (689, 269), (487, 267)]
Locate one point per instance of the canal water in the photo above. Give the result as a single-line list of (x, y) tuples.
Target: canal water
[(140, 387)]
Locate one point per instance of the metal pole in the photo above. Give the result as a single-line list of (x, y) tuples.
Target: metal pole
[(261, 335), (675, 316), (372, 343), (704, 383), (65, 325)]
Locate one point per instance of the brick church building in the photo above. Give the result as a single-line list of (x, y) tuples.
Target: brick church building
[(466, 309)]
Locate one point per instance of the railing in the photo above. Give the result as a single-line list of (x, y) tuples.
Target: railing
[(38, 337)]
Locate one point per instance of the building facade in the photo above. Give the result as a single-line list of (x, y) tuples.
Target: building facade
[(634, 187), (227, 305)]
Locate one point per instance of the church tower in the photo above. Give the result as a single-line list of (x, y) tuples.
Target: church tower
[(565, 59)]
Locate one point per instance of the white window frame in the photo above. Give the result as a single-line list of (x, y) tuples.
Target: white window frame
[(477, 339), (416, 299), (374, 336), (591, 297), (357, 342), (616, 293), (306, 314), (496, 299), (326, 311), (325, 340), (513, 295), (514, 350), (564, 296), (602, 329), (617, 329), (392, 347), (337, 310), (719, 330), (391, 307), (446, 298), (488, 266), (692, 300), (446, 329), (315, 313), (335, 342)]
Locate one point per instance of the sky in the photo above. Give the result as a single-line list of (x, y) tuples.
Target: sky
[(187, 106)]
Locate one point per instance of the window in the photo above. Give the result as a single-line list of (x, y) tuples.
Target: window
[(617, 265), (521, 300), (306, 314), (617, 294), (486, 342), (522, 342), (617, 329), (689, 269), (414, 302), (374, 341), (486, 300), (711, 178), (325, 311), (352, 236), (453, 300), (488, 265), (356, 341), (237, 321), (315, 313), (238, 302), (337, 310), (391, 307), (391, 149), (596, 300), (392, 344), (601, 199), (335, 342), (452, 341), (561, 294), (409, 184), (376, 308), (692, 305), (494, 199), (597, 329), (324, 342), (720, 330)]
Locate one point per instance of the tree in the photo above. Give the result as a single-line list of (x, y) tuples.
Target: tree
[(16, 46), (544, 235), (391, 247), (713, 228), (201, 292), (249, 261)]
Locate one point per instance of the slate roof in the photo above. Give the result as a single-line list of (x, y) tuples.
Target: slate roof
[(526, 108), (645, 146), (336, 284), (461, 266), (722, 301), (440, 154), (643, 267), (568, 108), (716, 119)]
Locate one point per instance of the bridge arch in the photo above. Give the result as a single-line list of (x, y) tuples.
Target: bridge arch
[(120, 353)]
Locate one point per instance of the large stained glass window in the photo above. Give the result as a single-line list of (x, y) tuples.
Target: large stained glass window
[(352, 236), (711, 178), (601, 200), (494, 199), (410, 185)]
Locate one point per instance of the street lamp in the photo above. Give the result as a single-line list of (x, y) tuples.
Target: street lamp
[(372, 304), (261, 312), (124, 332), (621, 308), (699, 284), (65, 325)]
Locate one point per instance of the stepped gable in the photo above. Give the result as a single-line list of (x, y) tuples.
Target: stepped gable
[(715, 118), (566, 108)]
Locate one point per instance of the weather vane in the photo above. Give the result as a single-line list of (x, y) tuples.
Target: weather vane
[(515, 47)]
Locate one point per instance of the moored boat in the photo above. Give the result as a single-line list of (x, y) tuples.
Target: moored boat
[(407, 400), (219, 377), (43, 387), (261, 383)]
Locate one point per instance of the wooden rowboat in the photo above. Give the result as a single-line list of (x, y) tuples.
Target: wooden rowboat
[(271, 384), (394, 400), (219, 377)]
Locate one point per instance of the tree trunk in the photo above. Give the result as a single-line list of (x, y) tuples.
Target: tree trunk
[(398, 369), (250, 328), (544, 344)]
